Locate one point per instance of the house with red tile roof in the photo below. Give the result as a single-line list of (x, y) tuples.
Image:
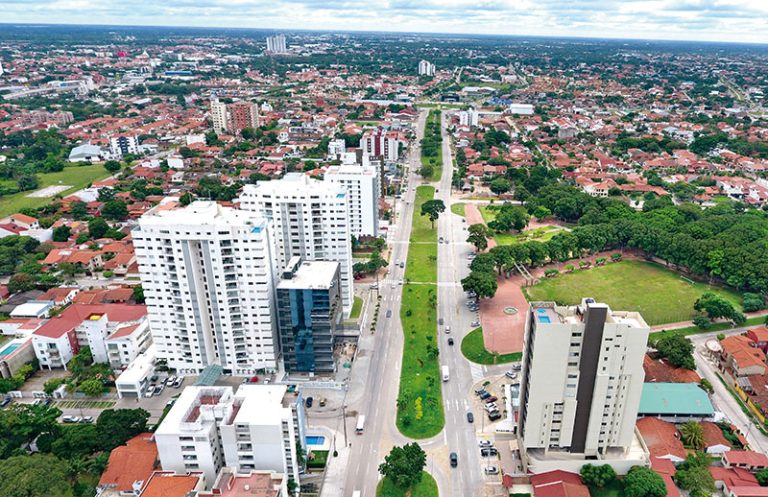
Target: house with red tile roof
[(759, 337), (666, 469), (61, 337), (662, 439), (740, 358), (169, 484), (129, 467), (714, 440), (727, 478), (558, 483), (659, 370), (745, 459)]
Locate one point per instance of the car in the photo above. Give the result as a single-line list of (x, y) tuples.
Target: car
[(491, 470), (454, 459), (178, 382), (308, 402), (7, 400), (169, 381), (488, 451), (480, 391), (322, 402), (491, 407), (38, 402), (441, 321), (374, 286), (400, 282), (475, 324), (389, 313), (511, 375), (491, 399), (402, 264), (447, 329), (71, 419), (86, 419), (517, 367), (441, 239), (153, 379), (485, 443), (470, 417), (485, 395), (48, 401), (450, 341), (159, 389), (493, 416), (393, 285)]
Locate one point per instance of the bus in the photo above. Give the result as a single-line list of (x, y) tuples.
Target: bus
[(360, 424)]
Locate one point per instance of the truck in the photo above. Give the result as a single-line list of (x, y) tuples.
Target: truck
[(360, 425), (446, 373)]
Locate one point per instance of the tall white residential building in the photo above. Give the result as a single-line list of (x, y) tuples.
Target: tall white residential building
[(276, 44), (363, 187), (207, 273), (309, 219), (257, 428), (219, 116), (426, 68), (336, 148), (582, 378)]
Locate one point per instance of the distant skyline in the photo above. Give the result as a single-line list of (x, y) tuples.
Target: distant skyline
[(696, 20)]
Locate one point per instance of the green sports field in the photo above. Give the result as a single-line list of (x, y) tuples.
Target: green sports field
[(660, 295)]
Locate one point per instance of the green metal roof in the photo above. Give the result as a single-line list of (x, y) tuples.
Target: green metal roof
[(674, 399)]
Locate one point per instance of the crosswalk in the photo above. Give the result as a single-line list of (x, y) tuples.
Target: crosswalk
[(457, 405)]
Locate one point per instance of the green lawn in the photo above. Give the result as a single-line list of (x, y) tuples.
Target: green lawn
[(458, 208), (421, 229), (541, 234), (660, 295), (488, 212), (613, 489), (474, 350), (421, 265), (436, 162), (77, 177), (427, 487), (319, 460), (420, 373), (357, 306), (692, 330)]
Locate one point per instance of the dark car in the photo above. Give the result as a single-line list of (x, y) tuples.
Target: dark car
[(493, 416), (5, 402), (454, 459), (488, 451), (490, 399), (480, 391), (450, 341), (309, 401), (485, 395), (470, 417)]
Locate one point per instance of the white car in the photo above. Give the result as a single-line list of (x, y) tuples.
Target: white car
[(491, 470), (511, 375), (447, 329), (71, 419), (485, 443)]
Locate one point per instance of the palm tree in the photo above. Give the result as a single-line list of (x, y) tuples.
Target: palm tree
[(692, 434)]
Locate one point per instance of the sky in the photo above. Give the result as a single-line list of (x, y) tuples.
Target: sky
[(703, 20)]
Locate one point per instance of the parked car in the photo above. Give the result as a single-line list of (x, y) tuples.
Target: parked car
[(490, 399), (374, 286), (309, 402), (454, 459), (150, 390), (511, 375), (479, 391), (491, 470), (6, 401), (470, 417), (485, 395), (475, 324), (71, 419), (87, 419), (450, 341), (488, 451), (491, 407), (38, 402), (517, 367), (48, 401), (178, 382), (493, 416), (169, 381), (159, 389), (485, 443)]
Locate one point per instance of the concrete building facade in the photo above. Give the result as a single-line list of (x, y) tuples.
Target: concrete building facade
[(363, 186), (208, 279)]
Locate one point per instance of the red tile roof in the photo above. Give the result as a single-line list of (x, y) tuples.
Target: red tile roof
[(130, 463), (746, 458), (77, 313), (661, 438), (659, 370), (558, 484)]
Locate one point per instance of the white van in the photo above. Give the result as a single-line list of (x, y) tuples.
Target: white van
[(446, 374)]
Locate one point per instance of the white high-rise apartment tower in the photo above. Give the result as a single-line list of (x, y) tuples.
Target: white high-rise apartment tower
[(426, 68), (219, 116), (582, 378), (257, 428), (207, 273), (276, 44), (362, 185), (308, 218)]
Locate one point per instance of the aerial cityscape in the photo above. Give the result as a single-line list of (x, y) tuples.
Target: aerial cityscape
[(323, 258)]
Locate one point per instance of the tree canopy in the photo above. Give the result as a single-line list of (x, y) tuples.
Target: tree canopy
[(404, 465)]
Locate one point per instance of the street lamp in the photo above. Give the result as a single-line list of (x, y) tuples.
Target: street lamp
[(344, 422)]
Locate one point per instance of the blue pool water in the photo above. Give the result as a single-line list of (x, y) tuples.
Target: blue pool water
[(9, 349), (317, 440), (541, 314)]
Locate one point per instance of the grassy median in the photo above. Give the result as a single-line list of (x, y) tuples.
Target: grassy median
[(427, 487), (473, 348), (420, 401)]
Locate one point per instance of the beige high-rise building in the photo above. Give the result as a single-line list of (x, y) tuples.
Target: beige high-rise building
[(219, 117), (582, 377)]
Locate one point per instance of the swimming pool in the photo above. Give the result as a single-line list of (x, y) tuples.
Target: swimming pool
[(541, 315), (10, 349), (315, 440)]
